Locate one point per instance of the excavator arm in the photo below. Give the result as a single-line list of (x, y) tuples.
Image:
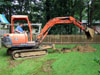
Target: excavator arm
[(58, 20)]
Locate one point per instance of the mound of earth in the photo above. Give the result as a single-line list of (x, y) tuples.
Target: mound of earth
[(84, 48), (79, 48)]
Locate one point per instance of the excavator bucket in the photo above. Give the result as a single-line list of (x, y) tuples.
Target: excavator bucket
[(89, 32)]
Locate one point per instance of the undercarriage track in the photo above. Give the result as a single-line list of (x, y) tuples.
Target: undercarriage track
[(28, 53)]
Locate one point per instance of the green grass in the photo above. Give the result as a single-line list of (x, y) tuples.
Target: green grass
[(73, 63)]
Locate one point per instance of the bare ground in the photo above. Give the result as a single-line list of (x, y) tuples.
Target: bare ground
[(84, 48), (47, 66), (79, 48), (13, 63)]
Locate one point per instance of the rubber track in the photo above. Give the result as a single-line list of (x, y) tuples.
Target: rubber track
[(27, 50)]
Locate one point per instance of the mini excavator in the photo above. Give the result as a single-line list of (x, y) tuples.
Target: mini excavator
[(20, 47)]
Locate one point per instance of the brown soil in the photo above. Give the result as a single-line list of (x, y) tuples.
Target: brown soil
[(84, 48), (65, 50), (47, 66), (57, 50), (79, 48), (13, 63)]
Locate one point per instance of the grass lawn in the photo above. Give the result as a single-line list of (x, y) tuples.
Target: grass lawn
[(73, 63)]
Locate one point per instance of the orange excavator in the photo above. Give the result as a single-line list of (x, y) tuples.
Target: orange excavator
[(20, 47)]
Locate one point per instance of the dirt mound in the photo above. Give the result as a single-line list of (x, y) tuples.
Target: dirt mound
[(84, 48), (78, 48)]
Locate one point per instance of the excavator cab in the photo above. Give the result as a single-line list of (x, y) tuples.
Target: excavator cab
[(16, 39), (20, 17)]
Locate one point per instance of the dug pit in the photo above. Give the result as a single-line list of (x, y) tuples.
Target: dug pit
[(78, 48)]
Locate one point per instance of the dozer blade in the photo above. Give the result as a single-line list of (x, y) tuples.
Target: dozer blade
[(89, 32), (46, 46), (28, 53)]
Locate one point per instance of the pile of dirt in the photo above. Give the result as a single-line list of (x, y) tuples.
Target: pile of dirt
[(78, 48), (84, 48)]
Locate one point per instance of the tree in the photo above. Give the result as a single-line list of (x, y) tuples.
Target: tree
[(91, 11), (96, 11), (42, 11), (5, 6), (58, 8)]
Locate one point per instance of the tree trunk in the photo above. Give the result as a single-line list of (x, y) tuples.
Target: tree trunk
[(80, 19), (47, 9), (92, 11)]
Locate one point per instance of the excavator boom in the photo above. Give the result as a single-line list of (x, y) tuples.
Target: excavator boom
[(60, 20)]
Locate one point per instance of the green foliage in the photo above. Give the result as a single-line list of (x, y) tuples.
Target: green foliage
[(97, 10), (42, 11), (59, 8)]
